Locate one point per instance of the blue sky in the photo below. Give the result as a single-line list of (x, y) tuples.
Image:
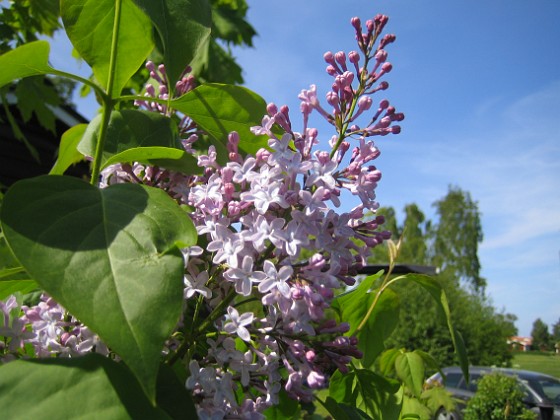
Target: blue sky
[(479, 82)]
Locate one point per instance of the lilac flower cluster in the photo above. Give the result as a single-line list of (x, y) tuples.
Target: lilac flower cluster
[(47, 328), (273, 249)]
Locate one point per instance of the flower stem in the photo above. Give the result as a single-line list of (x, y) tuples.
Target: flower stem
[(108, 101)]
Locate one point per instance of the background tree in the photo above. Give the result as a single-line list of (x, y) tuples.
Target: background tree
[(540, 334), (456, 237), (484, 329), (556, 333)]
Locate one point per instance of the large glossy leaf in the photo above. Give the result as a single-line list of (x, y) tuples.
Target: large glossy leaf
[(27, 60), (132, 129), (183, 29), (108, 256), (220, 109), (89, 24), (68, 153), (90, 387)]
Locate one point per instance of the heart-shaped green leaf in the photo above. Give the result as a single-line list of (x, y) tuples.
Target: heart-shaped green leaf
[(220, 109), (90, 23), (27, 60), (410, 369), (89, 387), (130, 129), (183, 27), (109, 256)]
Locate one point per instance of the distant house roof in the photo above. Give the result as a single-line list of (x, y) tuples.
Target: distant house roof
[(400, 269), (526, 341)]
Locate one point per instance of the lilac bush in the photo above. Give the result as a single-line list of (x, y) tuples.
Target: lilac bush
[(207, 268), (274, 246)]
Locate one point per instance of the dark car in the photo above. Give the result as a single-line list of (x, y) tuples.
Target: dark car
[(542, 392)]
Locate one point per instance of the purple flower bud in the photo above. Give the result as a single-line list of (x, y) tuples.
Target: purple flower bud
[(271, 109), (356, 23), (331, 71), (387, 39), (381, 56), (396, 129), (310, 356), (399, 116), (340, 58), (329, 58), (386, 67), (364, 103), (384, 104), (383, 86), (354, 57)]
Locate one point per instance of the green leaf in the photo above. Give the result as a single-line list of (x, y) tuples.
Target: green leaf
[(89, 387), (183, 28), (387, 361), (287, 408), (130, 129), (89, 25), (378, 396), (108, 256), (166, 157), (379, 326), (172, 396), (341, 387), (9, 287), (68, 153), (220, 109), (410, 369), (341, 411), (434, 288), (354, 308), (34, 96), (27, 60), (413, 409)]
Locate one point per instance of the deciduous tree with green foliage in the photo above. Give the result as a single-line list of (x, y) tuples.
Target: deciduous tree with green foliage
[(484, 329), (541, 335)]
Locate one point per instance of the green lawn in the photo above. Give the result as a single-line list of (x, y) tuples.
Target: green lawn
[(538, 362)]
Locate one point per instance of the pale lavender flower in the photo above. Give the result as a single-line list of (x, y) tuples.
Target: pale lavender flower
[(237, 323), (244, 277), (277, 279)]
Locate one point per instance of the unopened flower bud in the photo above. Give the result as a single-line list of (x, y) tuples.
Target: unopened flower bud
[(271, 109), (386, 67), (331, 71), (381, 56), (329, 58), (354, 57), (340, 58)]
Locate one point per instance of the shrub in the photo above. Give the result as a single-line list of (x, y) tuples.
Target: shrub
[(498, 397)]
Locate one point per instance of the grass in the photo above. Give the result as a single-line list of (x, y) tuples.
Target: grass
[(548, 363)]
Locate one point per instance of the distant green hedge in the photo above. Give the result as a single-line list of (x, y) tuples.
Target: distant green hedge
[(499, 397)]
